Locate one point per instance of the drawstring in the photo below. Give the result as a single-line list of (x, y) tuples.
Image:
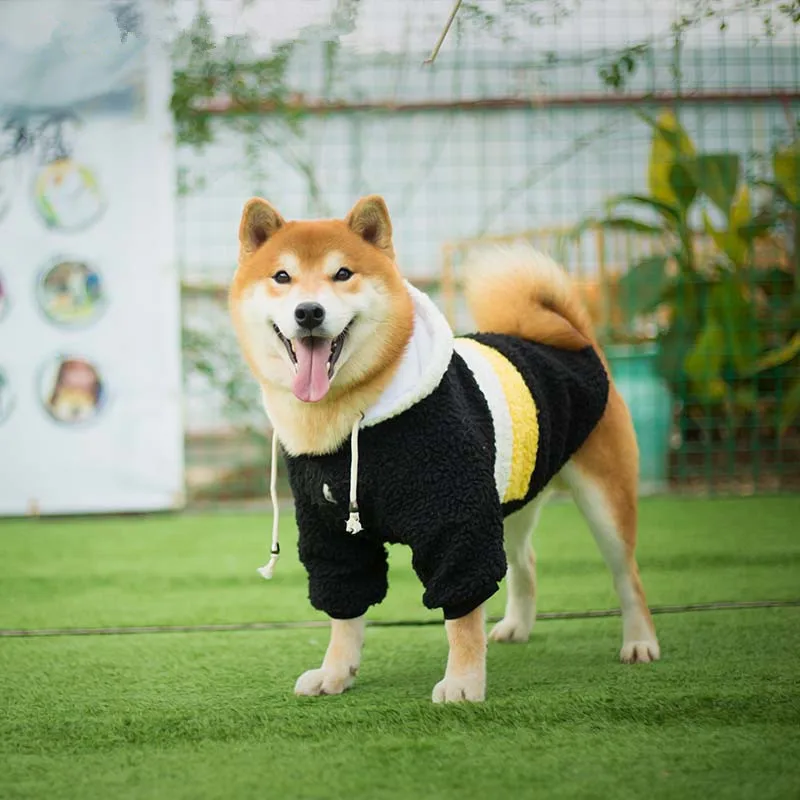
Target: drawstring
[(275, 551), (353, 520)]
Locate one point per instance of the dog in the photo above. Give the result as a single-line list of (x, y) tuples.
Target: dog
[(395, 431)]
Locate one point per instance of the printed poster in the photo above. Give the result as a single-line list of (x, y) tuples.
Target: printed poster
[(90, 376)]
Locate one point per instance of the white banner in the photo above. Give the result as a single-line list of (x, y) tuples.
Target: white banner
[(90, 379)]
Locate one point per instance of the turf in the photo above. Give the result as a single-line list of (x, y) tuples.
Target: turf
[(185, 570), (212, 715)]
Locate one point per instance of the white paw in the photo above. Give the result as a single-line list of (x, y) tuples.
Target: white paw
[(642, 652), (458, 689), (511, 629), (323, 681)]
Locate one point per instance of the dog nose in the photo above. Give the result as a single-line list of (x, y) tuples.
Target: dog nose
[(309, 315)]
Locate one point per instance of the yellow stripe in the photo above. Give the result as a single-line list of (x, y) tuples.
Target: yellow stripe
[(524, 420)]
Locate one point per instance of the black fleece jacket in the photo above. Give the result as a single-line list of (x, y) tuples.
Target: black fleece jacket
[(427, 480)]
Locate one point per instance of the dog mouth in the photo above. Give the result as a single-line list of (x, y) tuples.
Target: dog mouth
[(287, 343), (314, 359)]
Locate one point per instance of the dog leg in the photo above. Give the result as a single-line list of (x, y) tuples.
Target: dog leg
[(614, 529), (465, 676), (340, 665), (603, 477), (517, 623)]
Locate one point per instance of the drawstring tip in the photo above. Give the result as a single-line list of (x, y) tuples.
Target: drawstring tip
[(354, 522), (268, 570)]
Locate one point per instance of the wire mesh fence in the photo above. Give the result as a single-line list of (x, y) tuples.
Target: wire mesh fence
[(650, 148)]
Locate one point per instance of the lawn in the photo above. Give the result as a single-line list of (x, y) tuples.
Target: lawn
[(211, 715)]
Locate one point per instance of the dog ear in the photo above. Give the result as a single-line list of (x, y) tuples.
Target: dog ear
[(259, 222), (369, 218)]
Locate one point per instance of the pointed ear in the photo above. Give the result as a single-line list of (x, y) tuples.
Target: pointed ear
[(259, 221), (369, 218)]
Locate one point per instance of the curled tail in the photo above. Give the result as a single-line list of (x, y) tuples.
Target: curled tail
[(521, 292)]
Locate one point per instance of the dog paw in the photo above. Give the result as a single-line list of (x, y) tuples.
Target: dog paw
[(511, 630), (459, 689), (316, 682), (642, 652)]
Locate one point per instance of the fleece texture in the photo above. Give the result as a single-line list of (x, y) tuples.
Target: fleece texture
[(441, 475)]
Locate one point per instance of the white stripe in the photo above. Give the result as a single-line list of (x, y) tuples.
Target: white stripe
[(489, 384)]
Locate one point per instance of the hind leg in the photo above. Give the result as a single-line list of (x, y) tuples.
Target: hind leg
[(602, 477), (520, 614)]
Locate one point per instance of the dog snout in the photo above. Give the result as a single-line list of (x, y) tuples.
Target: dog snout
[(309, 315)]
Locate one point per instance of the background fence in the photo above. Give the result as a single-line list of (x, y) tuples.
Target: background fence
[(533, 121)]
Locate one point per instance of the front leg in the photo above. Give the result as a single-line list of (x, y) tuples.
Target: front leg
[(465, 676), (340, 665)]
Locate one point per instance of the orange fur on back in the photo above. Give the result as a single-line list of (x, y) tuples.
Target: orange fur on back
[(521, 292)]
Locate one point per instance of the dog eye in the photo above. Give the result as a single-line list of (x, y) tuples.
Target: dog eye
[(282, 276), (343, 274)]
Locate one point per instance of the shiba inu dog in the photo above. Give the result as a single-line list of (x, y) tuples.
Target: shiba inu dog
[(394, 431)]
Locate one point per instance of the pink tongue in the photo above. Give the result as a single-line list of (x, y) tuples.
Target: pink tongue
[(311, 382)]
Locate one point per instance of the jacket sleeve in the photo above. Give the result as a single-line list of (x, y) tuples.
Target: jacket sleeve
[(450, 515), (461, 567), (346, 574)]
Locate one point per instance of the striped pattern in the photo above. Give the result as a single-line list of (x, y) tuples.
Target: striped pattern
[(514, 417)]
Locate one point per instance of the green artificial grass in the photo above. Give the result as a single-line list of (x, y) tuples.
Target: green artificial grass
[(185, 570), (212, 716)]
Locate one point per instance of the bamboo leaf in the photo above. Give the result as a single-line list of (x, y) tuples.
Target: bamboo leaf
[(630, 225), (736, 316), (716, 176), (717, 236), (759, 225), (673, 348), (669, 212), (786, 164), (778, 357), (703, 363), (740, 209), (643, 287), (730, 241), (669, 143), (683, 186)]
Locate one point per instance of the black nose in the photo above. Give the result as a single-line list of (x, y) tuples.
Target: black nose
[(309, 315)]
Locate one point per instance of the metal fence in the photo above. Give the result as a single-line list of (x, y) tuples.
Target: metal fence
[(653, 151)]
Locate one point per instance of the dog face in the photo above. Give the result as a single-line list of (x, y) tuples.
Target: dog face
[(317, 306)]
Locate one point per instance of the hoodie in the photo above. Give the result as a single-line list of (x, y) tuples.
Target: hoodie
[(468, 431)]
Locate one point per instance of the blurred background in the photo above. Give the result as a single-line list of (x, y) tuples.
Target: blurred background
[(650, 147)]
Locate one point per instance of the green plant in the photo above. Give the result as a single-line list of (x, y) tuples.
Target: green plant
[(732, 329)]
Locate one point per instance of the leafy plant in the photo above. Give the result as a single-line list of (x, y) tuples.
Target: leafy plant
[(732, 330)]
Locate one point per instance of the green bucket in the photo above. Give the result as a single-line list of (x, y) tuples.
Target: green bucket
[(633, 368)]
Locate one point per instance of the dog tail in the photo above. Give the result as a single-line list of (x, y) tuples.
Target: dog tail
[(519, 291)]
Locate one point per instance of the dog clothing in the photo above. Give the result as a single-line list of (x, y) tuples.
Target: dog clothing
[(468, 431)]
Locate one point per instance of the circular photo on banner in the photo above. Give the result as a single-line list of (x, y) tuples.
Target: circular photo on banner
[(67, 195), (3, 298), (70, 292), (6, 397), (72, 390)]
